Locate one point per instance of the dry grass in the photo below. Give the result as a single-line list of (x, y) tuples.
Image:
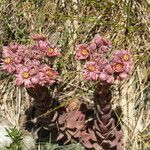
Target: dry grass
[(126, 23)]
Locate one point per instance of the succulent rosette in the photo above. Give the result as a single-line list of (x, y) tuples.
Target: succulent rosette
[(71, 123)]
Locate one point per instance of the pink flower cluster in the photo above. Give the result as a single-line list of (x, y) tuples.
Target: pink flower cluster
[(98, 66), (27, 62)]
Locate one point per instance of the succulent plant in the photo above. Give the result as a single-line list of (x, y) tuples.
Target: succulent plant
[(71, 124), (104, 133), (32, 67), (99, 65)]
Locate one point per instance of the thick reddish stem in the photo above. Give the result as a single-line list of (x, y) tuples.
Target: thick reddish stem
[(43, 103)]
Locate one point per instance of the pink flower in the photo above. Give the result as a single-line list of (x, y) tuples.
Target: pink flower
[(24, 78), (103, 49), (110, 79), (91, 71), (82, 52), (99, 65), (122, 61), (52, 51), (7, 52), (101, 41), (122, 55), (92, 46), (103, 76), (8, 65), (129, 67), (8, 61), (118, 67), (109, 69), (35, 79), (18, 59), (122, 69), (43, 45), (123, 75), (50, 72), (36, 54), (27, 64), (47, 75), (98, 40)]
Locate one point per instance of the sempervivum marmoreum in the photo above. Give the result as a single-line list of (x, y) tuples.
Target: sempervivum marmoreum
[(107, 70), (71, 124), (30, 66)]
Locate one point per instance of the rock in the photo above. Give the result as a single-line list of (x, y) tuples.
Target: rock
[(4, 139)]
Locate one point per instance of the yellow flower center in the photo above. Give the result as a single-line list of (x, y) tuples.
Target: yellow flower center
[(73, 105), (7, 60), (50, 73), (25, 75), (85, 52), (91, 67), (126, 57), (118, 66), (50, 50)]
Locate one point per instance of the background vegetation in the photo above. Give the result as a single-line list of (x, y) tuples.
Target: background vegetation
[(69, 22)]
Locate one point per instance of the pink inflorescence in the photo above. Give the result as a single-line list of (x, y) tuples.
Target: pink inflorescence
[(99, 66), (26, 63)]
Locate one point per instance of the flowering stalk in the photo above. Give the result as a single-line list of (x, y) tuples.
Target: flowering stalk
[(107, 70), (27, 64), (108, 136)]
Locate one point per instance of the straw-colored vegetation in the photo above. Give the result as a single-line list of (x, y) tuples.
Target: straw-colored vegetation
[(125, 22)]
